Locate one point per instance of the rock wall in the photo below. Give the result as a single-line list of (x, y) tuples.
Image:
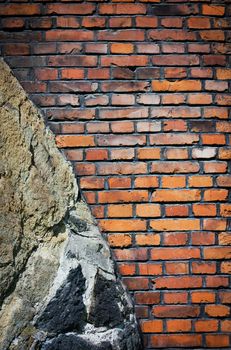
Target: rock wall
[(58, 287)]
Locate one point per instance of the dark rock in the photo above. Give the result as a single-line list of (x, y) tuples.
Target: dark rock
[(66, 311), (73, 342)]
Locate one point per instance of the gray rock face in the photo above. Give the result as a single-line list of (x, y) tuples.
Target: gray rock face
[(58, 288)]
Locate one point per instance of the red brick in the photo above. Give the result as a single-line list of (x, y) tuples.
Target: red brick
[(213, 112), (175, 238), (225, 297), (146, 22), (85, 169), (137, 283), (216, 281), (171, 35), (118, 182), (215, 224), (176, 340), (174, 139), (212, 35), (120, 9), (120, 22), (122, 168), (175, 297), (212, 85), (13, 23), (226, 326), (122, 99), (93, 22), (124, 60), (20, 9), (173, 48), (70, 9), (141, 311), (169, 22), (217, 253), (201, 72), (133, 254), (176, 210), (203, 238), (215, 167), (198, 22), (67, 22), (122, 154), (175, 72), (175, 253), (176, 112), (91, 183), (198, 99), (17, 49), (148, 298), (181, 268), (121, 35), (176, 60), (178, 311), (69, 35), (202, 267)]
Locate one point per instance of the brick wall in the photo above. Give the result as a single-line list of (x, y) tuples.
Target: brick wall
[(137, 93)]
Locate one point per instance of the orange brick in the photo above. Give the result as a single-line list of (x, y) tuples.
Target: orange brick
[(122, 225), (176, 326), (203, 297), (217, 310), (96, 154), (175, 224), (181, 85), (119, 210), (223, 73), (179, 311), (127, 269), (176, 210), (176, 153), (118, 182), (206, 326), (150, 269), (204, 209), (217, 341), (175, 297), (224, 238), (74, 141), (174, 253), (179, 268), (203, 238), (148, 210), (146, 182), (217, 253), (148, 239), (216, 281), (175, 238), (213, 139), (213, 10), (226, 267), (119, 240), (226, 326), (91, 183), (176, 341), (123, 196), (152, 326), (176, 195), (215, 195), (148, 153), (173, 181), (122, 48), (200, 181)]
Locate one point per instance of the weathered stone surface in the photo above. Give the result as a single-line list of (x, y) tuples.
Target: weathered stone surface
[(58, 289)]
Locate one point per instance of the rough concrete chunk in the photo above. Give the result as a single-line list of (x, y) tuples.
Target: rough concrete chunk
[(58, 289)]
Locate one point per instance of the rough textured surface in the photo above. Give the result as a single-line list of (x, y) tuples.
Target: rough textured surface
[(56, 273)]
